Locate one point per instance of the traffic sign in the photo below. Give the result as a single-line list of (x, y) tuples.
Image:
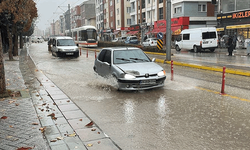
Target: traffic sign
[(160, 44), (159, 35)]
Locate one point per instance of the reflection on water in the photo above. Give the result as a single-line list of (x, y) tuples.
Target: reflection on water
[(129, 111)]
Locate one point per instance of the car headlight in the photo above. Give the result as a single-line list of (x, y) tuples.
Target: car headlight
[(129, 76), (60, 49), (161, 73)]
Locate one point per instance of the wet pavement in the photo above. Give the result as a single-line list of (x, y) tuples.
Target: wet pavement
[(50, 117)]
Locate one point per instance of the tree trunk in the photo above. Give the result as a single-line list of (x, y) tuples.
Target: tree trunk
[(10, 43), (15, 52), (2, 73), (21, 40)]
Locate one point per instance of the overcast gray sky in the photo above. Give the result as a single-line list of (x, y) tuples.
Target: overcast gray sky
[(49, 10)]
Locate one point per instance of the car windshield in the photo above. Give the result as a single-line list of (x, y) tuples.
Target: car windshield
[(133, 38), (65, 42), (129, 56)]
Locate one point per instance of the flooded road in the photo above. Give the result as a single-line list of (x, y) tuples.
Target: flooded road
[(188, 113)]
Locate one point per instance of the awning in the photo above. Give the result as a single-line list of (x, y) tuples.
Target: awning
[(162, 30), (132, 32), (116, 32), (238, 26), (220, 29)]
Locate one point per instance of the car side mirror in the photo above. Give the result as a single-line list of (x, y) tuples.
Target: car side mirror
[(153, 60)]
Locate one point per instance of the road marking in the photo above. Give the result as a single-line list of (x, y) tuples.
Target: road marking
[(231, 96)]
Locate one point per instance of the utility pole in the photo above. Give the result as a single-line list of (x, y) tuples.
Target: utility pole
[(168, 31), (69, 20)]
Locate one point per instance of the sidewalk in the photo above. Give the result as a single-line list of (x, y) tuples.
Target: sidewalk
[(19, 124), (43, 117)]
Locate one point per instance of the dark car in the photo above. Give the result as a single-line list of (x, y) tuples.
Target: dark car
[(132, 40), (131, 67)]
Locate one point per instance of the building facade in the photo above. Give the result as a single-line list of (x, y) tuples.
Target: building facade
[(233, 19)]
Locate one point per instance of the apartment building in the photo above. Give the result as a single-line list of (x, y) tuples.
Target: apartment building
[(87, 13), (234, 19), (75, 17), (123, 18)]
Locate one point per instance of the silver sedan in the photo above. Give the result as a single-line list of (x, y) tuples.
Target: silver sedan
[(131, 67)]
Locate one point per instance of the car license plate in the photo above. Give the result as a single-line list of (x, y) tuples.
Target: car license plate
[(148, 82), (69, 53)]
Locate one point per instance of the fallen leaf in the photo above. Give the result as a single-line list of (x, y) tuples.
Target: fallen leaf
[(93, 129), (44, 104), (34, 123), (59, 138), (99, 142), (4, 117), (25, 148), (9, 137), (80, 119), (89, 145), (52, 115), (42, 129), (98, 133), (2, 99), (10, 102), (36, 70), (90, 124), (11, 126), (16, 104), (68, 101), (53, 140), (71, 135)]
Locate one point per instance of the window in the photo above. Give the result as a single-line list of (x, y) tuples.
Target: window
[(208, 35), (117, 1), (178, 10), (117, 11), (149, 1), (128, 21), (111, 14), (186, 36), (161, 13), (160, 1), (118, 22), (128, 9), (148, 14), (202, 8), (110, 3)]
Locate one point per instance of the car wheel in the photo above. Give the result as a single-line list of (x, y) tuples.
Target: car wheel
[(196, 50), (177, 48)]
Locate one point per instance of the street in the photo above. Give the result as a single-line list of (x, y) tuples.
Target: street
[(188, 113)]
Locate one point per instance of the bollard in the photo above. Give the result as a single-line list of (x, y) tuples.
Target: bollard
[(172, 71), (95, 54), (223, 81), (80, 51), (87, 54)]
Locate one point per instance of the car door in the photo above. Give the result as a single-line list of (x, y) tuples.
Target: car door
[(104, 63)]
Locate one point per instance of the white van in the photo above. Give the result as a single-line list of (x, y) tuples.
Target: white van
[(63, 46), (197, 39)]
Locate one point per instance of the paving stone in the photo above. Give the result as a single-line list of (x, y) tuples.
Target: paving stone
[(74, 114), (87, 134), (105, 143), (69, 107)]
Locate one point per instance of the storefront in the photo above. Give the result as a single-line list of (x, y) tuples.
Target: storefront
[(134, 31), (177, 25), (235, 23)]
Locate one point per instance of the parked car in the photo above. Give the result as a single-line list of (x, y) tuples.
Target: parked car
[(131, 67), (63, 46), (150, 42), (119, 39), (198, 39), (132, 40)]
